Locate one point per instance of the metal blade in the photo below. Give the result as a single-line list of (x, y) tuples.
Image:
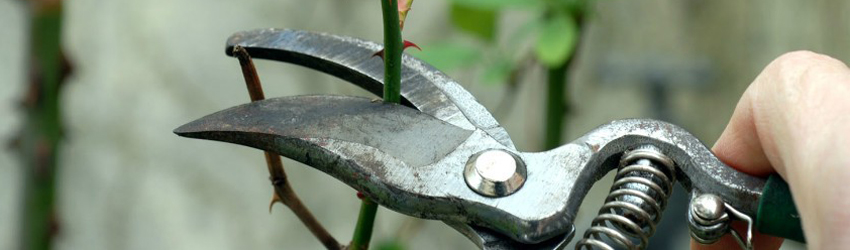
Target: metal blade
[(487, 239), (403, 159), (295, 126), (423, 87)]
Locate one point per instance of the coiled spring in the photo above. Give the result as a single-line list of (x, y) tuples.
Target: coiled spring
[(638, 196)]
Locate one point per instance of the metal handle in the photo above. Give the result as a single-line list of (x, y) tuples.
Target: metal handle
[(709, 217)]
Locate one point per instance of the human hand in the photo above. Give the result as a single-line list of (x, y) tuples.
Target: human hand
[(794, 119)]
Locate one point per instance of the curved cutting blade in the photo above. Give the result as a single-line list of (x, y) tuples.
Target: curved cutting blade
[(423, 87), (487, 239), (323, 131), (405, 160)]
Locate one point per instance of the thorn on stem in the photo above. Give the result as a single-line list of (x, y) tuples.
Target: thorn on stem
[(407, 43), (67, 68), (44, 154), (275, 199), (277, 182), (410, 44), (14, 143), (55, 226)]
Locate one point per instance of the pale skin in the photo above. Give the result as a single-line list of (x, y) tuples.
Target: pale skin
[(794, 119)]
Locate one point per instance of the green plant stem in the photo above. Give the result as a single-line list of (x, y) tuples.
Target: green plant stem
[(365, 222), (392, 94), (392, 51), (39, 139), (556, 104)]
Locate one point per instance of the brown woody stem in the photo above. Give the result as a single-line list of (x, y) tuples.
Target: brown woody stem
[(283, 190)]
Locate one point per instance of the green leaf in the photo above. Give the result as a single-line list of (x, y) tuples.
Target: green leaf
[(556, 40), (478, 22), (497, 4), (448, 56)]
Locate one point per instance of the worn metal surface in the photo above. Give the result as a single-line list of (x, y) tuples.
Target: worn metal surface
[(413, 163), (697, 169), (351, 59), (318, 123), (487, 239)]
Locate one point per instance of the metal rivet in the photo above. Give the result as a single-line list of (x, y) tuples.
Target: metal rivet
[(494, 173), (707, 218), (708, 207)]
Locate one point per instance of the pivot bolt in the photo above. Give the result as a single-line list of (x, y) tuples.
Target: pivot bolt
[(494, 173), (707, 218), (709, 207)]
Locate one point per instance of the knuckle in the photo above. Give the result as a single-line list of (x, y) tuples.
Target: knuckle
[(803, 69), (803, 61), (799, 55)]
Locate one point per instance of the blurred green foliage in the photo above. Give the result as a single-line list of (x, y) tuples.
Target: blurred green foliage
[(448, 55), (549, 35), (478, 22), (551, 28), (556, 39)]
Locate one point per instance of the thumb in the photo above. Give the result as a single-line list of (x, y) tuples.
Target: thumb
[(740, 147), (793, 120)]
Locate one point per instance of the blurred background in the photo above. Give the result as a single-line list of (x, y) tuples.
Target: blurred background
[(142, 68)]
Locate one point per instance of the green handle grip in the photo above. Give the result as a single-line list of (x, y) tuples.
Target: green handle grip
[(777, 213)]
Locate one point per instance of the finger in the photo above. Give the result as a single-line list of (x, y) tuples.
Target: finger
[(739, 146), (793, 120), (742, 147)]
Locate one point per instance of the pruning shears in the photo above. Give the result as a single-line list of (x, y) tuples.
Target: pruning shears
[(441, 155)]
